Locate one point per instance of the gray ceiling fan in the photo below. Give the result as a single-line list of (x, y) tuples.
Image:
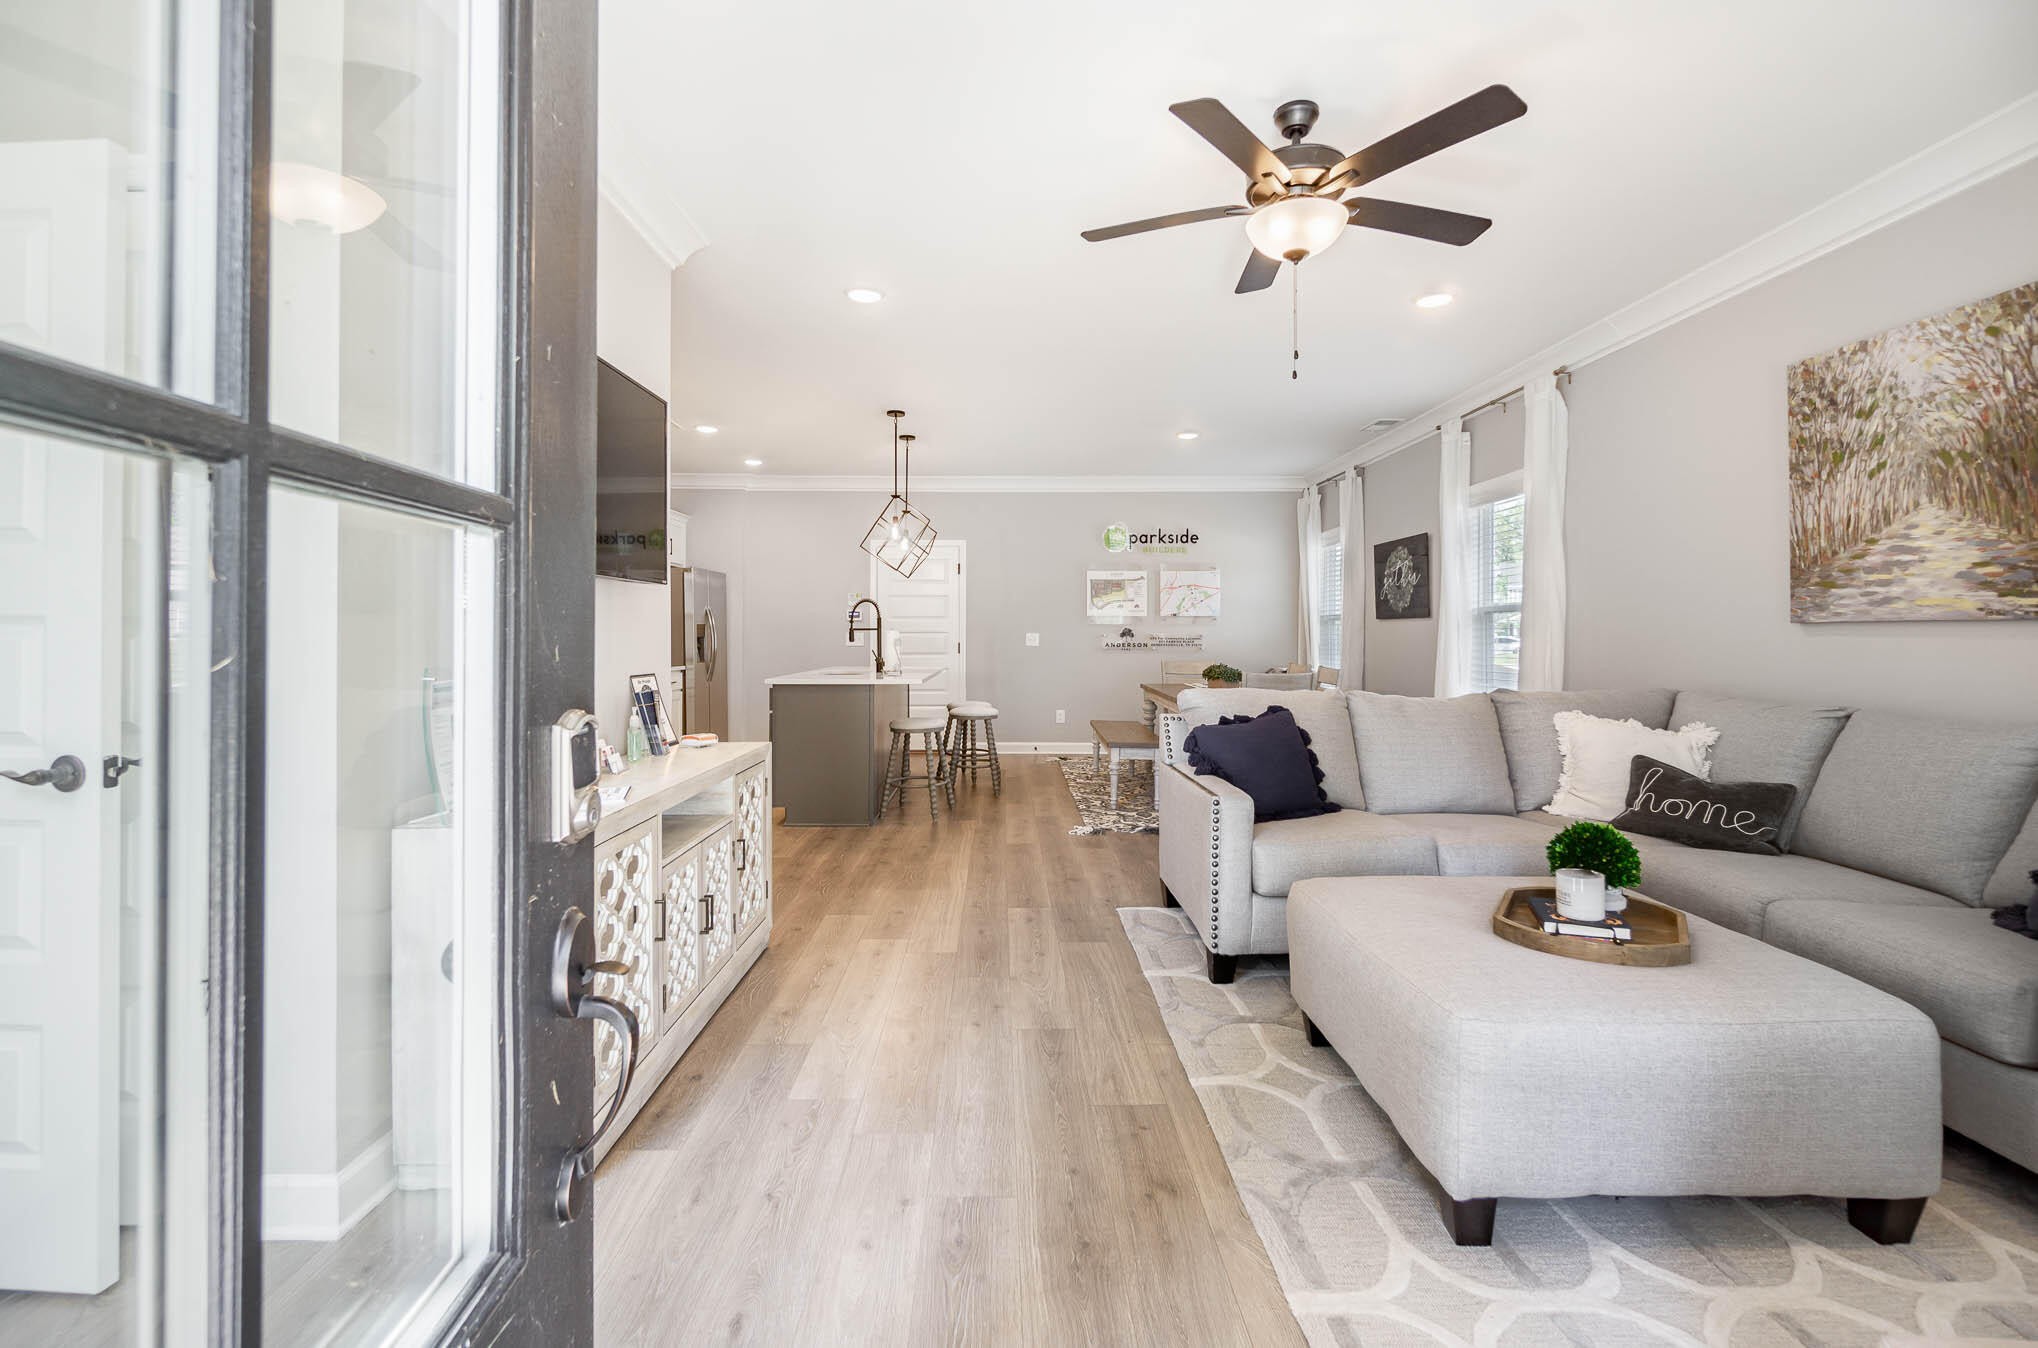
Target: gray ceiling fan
[(1295, 205)]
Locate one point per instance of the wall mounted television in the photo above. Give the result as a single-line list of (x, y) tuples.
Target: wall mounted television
[(630, 479)]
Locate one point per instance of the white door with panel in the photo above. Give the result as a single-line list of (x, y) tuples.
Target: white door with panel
[(929, 611), (61, 697)]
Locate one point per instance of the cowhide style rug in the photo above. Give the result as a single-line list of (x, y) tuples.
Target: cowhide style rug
[(1350, 1220)]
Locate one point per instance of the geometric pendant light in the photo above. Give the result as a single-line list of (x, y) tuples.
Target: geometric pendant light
[(900, 537)]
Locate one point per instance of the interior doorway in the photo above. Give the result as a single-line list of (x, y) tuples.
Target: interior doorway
[(930, 613)]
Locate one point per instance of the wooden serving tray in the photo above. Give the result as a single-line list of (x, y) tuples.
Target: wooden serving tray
[(1661, 939)]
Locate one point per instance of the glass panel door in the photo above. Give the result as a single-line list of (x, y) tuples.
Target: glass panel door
[(282, 632)]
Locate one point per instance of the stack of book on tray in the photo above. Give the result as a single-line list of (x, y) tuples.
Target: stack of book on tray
[(1610, 928)]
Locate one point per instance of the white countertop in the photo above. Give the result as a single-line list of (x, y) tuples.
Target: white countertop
[(660, 781), (851, 676)]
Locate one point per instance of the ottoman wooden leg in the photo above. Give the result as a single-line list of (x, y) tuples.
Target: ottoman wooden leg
[(1315, 1035), (1469, 1220), (1223, 968), (1168, 899), (1886, 1221)]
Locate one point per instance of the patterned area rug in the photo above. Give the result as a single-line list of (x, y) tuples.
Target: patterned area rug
[(1350, 1220), (1091, 788)]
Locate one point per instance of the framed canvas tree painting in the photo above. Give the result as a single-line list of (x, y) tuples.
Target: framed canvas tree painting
[(1914, 470)]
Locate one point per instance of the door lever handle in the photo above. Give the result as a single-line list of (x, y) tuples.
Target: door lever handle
[(65, 774), (573, 968)]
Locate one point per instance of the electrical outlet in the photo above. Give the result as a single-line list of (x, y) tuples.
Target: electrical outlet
[(1033, 638), (1061, 718)]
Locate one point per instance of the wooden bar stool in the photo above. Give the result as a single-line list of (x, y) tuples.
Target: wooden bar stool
[(930, 730), (969, 749)]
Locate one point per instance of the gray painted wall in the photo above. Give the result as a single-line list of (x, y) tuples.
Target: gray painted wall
[(1401, 499), (1678, 524), (792, 560)]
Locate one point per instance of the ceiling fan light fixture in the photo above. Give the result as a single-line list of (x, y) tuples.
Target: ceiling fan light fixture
[(1296, 227), (305, 194)]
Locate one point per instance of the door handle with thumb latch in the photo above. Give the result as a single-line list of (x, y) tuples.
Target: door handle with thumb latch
[(65, 774), (573, 968)]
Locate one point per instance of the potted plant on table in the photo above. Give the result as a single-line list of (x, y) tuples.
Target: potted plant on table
[(1222, 676), (1595, 864)]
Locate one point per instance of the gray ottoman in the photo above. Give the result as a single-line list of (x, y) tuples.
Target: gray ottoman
[(1515, 1074)]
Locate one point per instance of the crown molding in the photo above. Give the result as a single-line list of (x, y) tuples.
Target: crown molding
[(939, 486), (1997, 143), (656, 215)]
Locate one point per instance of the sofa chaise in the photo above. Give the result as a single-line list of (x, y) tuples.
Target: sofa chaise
[(1905, 831)]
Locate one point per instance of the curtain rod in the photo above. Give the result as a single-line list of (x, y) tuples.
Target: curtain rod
[(1562, 374)]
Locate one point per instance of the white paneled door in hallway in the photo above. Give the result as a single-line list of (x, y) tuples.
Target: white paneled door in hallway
[(929, 611)]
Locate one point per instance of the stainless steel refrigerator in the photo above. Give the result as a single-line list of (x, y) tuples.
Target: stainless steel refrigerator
[(700, 642)]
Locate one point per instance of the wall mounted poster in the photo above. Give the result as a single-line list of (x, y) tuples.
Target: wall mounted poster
[(1114, 596), (1401, 578), (1914, 470), (1190, 595)]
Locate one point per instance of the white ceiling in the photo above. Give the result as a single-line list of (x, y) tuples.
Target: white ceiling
[(948, 153)]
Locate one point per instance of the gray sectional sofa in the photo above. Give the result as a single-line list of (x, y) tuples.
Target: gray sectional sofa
[(1906, 831)]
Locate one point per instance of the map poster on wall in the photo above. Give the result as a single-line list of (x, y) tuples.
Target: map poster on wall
[(1190, 595), (1114, 596)]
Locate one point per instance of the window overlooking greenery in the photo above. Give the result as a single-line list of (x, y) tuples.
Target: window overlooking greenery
[(1496, 612)]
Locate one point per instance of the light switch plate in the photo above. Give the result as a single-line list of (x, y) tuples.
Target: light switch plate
[(1033, 638)]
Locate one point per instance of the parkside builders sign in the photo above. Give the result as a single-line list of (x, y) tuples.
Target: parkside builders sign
[(1120, 538)]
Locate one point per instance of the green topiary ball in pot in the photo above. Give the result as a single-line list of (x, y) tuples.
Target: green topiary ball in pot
[(1591, 846)]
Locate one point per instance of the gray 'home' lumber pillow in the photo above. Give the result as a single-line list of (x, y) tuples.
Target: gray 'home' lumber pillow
[(1431, 755), (1931, 803), (1320, 714), (1766, 742), (1529, 732)]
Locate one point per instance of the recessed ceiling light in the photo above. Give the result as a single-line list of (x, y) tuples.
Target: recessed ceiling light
[(753, 463), (1436, 301), (863, 296), (1186, 435), (706, 430)]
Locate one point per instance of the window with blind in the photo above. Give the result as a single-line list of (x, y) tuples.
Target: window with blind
[(1496, 612), (1330, 598)]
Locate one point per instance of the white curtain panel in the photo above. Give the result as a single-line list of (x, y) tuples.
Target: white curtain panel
[(1309, 535), (1545, 448), (1351, 522), (1452, 565)]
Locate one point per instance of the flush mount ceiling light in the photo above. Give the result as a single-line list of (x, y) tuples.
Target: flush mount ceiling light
[(1435, 301), (753, 463), (305, 194), (900, 536), (706, 430), (864, 296), (1186, 435)]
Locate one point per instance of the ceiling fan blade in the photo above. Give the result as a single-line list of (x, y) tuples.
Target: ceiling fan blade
[(1164, 222), (1423, 222), (1213, 122), (1260, 271), (1490, 107)]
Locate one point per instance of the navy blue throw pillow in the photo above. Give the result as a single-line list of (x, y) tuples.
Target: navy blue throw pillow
[(1266, 756)]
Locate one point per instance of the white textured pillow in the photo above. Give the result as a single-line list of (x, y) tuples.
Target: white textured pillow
[(1597, 753)]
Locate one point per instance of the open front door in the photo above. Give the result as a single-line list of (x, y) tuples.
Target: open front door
[(296, 597)]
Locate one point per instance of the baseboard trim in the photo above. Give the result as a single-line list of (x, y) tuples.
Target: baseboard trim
[(323, 1206)]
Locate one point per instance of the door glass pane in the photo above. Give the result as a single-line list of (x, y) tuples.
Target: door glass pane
[(105, 927), (380, 957), (91, 160), (382, 198)]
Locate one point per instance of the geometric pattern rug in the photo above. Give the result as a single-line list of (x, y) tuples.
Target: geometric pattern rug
[(1349, 1217), (1091, 787)]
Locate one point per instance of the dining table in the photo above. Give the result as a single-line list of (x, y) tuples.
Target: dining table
[(1156, 698)]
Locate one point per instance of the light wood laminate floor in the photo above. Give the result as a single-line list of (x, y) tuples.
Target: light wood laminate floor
[(941, 1109)]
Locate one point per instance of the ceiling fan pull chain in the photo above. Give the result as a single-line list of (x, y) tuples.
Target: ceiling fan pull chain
[(1295, 321)]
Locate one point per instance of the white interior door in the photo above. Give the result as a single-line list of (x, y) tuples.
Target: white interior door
[(929, 612), (61, 207)]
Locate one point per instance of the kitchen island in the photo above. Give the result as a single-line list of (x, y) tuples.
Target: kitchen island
[(830, 736)]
